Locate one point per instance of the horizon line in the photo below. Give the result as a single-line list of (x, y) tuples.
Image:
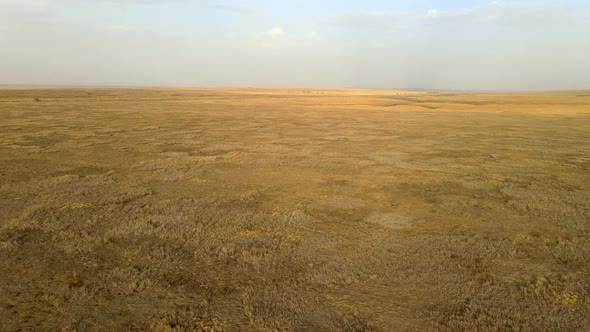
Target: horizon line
[(89, 86)]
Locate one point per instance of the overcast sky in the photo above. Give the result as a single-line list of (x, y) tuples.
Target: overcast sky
[(477, 45)]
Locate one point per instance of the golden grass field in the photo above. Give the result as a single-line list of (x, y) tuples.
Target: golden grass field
[(294, 210)]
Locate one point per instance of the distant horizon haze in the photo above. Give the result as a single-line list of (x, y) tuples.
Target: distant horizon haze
[(247, 87), (463, 45)]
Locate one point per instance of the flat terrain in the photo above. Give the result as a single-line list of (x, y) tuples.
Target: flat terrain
[(293, 210)]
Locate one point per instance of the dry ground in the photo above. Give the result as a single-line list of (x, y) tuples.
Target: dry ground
[(293, 209)]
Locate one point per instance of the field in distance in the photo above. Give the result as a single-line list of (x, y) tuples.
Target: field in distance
[(293, 210)]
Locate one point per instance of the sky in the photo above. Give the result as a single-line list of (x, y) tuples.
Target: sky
[(427, 44)]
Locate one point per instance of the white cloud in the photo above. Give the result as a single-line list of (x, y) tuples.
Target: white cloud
[(275, 32), (432, 13), (499, 13), (518, 14)]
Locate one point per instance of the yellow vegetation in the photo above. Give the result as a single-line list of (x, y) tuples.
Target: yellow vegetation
[(567, 298), (249, 233), (197, 179), (294, 210), (78, 205)]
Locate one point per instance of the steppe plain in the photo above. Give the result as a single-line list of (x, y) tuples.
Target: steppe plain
[(294, 210)]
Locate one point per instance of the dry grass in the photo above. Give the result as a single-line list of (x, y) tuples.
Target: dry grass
[(293, 209)]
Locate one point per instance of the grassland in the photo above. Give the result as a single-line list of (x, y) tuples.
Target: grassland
[(293, 210)]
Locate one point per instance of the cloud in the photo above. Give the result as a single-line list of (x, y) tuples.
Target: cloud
[(499, 13), (502, 13), (275, 32), (432, 13), (312, 35)]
